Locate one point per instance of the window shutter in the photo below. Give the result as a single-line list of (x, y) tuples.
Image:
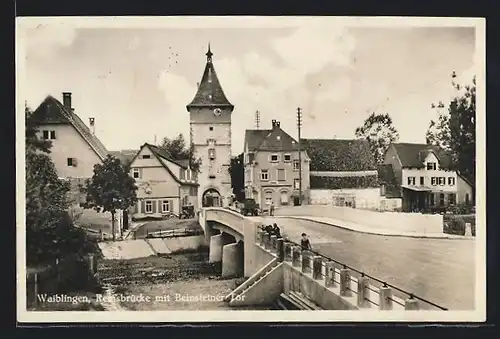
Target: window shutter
[(170, 205), (154, 206), (159, 206), (140, 173), (136, 208), (143, 206)]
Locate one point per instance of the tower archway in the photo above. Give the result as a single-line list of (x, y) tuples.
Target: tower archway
[(211, 198)]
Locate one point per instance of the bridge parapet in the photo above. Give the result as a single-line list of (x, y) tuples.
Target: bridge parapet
[(224, 216)]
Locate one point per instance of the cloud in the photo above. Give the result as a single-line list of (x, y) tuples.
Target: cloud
[(276, 86), (45, 40)]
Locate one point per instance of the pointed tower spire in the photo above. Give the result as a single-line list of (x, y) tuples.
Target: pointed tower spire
[(209, 53), (209, 92)]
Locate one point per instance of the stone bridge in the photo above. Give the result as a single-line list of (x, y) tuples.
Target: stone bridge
[(279, 270)]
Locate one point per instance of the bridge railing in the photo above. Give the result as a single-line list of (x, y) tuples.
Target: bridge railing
[(230, 217), (369, 291)]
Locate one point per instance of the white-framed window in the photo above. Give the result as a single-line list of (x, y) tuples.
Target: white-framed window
[(431, 166), (264, 174), (165, 206), (136, 173), (411, 180), (281, 174), (182, 173), (49, 135), (269, 197), (146, 156), (434, 181), (188, 174), (71, 162), (287, 157), (274, 158), (451, 181), (211, 153), (296, 184), (284, 198), (148, 206), (296, 165), (422, 181), (442, 181)]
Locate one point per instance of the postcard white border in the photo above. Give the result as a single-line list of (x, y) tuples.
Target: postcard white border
[(478, 315)]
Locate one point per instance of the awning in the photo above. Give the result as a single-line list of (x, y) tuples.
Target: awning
[(417, 188)]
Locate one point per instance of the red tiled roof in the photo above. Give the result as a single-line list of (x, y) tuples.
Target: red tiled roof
[(51, 111)]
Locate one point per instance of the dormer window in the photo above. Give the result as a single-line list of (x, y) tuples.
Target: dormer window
[(431, 166), (274, 158)]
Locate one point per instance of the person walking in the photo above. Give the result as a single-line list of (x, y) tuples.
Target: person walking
[(271, 209), (305, 243)]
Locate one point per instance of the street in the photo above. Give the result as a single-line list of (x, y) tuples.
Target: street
[(439, 270)]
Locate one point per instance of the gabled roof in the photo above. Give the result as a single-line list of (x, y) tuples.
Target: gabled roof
[(413, 155), (51, 111), (269, 140), (210, 91), (162, 157), (125, 156), (183, 163), (339, 155)]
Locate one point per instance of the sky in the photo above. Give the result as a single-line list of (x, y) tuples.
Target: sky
[(136, 81)]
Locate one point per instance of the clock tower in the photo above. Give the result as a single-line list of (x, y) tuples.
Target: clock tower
[(210, 132)]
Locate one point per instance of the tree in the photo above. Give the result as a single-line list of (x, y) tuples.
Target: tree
[(178, 150), (50, 233), (380, 133), (111, 188), (455, 130), (237, 172)]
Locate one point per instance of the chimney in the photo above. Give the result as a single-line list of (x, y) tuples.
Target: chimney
[(67, 100), (92, 125), (276, 124), (273, 122)]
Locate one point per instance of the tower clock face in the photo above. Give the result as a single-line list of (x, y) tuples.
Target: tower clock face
[(217, 112)]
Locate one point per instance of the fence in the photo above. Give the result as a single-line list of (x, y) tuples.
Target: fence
[(370, 291), (179, 232), (59, 277), (99, 235)]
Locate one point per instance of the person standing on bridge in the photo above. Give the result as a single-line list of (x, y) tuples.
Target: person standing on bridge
[(271, 209), (276, 230), (305, 243)]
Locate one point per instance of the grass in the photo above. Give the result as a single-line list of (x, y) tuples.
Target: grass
[(94, 220)]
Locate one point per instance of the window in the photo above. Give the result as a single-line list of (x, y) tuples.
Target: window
[(442, 181), (264, 174), (188, 174), (432, 202), (451, 181), (136, 173), (72, 162), (211, 176), (146, 156), (422, 181), (274, 158), (211, 128), (149, 206), (211, 153), (411, 180), (441, 199), (433, 181), (287, 158), (296, 184), (431, 166), (165, 206), (45, 134), (182, 173), (193, 191), (284, 198), (451, 199), (296, 165), (52, 135), (269, 197), (281, 174), (467, 198)]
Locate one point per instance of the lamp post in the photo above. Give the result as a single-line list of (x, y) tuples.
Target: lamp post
[(299, 125)]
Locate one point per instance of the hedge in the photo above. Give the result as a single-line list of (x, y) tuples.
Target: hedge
[(321, 182)]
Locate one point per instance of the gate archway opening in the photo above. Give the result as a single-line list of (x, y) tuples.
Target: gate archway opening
[(211, 198)]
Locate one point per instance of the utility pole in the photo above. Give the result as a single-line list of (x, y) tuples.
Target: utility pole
[(299, 127), (257, 119)]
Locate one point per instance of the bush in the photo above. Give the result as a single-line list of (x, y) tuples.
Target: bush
[(455, 224), (323, 182)]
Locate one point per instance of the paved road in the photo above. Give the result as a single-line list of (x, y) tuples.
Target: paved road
[(440, 270)]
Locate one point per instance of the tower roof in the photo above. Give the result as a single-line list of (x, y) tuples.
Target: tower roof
[(209, 92)]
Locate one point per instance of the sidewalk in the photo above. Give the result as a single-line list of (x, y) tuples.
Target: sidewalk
[(376, 231)]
